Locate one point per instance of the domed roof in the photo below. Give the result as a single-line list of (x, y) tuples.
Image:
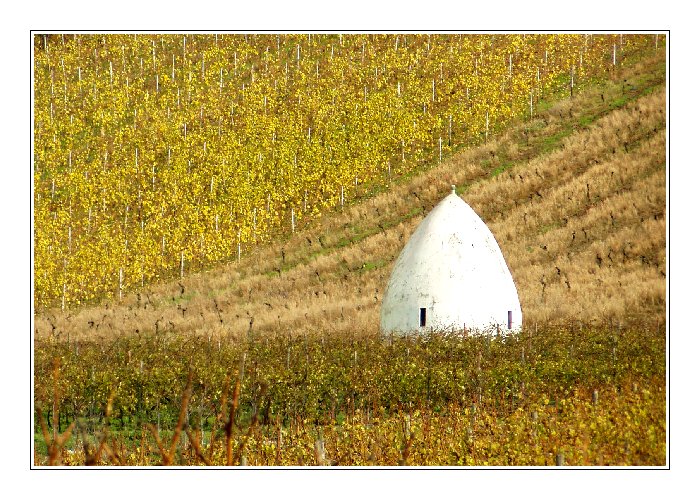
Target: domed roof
[(450, 275)]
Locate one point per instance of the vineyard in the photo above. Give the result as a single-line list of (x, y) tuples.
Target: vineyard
[(574, 396), (216, 218), (161, 155)]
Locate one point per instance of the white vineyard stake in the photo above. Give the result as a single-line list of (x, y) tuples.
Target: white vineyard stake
[(510, 65), (572, 81), (449, 133)]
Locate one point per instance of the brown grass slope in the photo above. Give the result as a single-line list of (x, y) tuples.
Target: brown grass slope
[(576, 198)]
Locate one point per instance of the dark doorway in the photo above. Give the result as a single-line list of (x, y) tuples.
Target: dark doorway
[(510, 319), (422, 316)]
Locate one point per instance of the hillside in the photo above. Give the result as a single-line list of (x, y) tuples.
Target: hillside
[(160, 154), (575, 197)]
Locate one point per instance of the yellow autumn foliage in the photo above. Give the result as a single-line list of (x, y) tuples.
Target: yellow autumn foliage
[(149, 149)]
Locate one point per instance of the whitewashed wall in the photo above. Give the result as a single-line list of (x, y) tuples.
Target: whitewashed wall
[(452, 266)]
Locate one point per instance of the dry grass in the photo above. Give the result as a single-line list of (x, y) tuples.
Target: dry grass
[(576, 199)]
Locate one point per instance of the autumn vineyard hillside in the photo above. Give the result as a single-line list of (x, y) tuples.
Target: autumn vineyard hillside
[(156, 155), (216, 219)]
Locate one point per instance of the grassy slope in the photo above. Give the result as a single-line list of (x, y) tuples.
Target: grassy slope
[(575, 197)]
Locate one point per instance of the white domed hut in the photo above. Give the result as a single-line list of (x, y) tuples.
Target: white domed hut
[(451, 275)]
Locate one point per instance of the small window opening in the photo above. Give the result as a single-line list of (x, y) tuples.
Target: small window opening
[(510, 319), (422, 316)]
